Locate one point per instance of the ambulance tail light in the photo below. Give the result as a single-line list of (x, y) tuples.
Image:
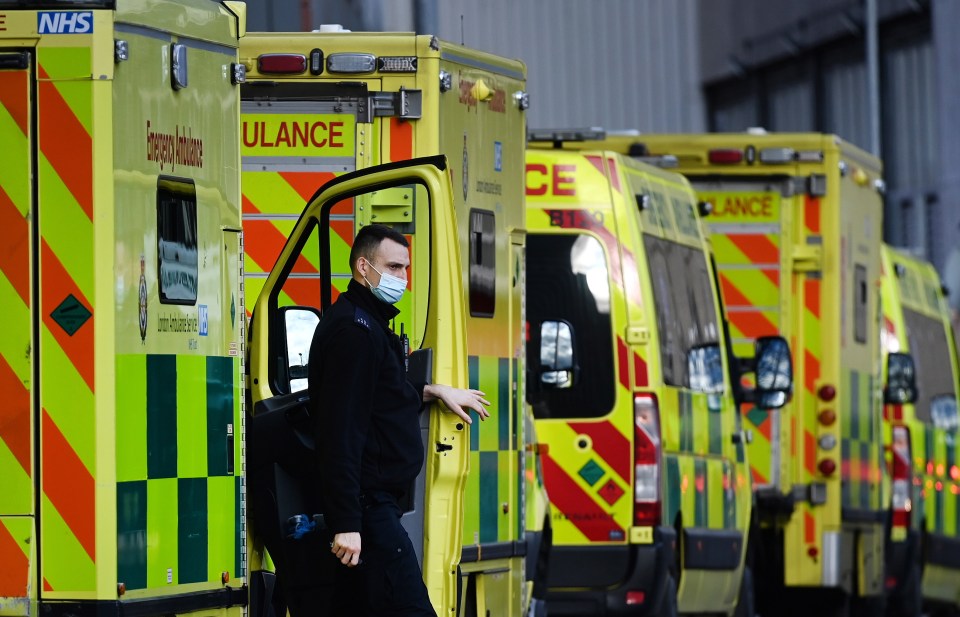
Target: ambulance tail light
[(902, 504), (282, 64), (647, 461), (725, 156)]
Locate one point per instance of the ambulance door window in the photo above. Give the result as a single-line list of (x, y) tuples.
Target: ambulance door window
[(931, 355), (483, 263), (686, 316), (568, 291), (668, 322), (177, 240), (860, 302)]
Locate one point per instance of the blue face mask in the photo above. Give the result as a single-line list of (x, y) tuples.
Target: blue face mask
[(390, 289)]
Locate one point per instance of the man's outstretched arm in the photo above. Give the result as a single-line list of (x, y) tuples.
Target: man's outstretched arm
[(458, 400)]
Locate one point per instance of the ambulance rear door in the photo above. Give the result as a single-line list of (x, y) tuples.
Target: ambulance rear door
[(295, 138), (18, 582)]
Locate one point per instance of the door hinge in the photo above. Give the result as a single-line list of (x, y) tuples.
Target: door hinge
[(402, 104), (807, 258)]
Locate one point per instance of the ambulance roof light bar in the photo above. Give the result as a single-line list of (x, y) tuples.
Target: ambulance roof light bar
[(558, 136)]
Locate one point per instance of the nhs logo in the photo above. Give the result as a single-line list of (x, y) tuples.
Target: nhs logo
[(65, 22)]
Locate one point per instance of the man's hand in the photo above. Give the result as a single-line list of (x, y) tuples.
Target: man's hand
[(458, 400), (346, 546)]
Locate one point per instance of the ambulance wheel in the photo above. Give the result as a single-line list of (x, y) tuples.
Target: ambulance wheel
[(745, 602)]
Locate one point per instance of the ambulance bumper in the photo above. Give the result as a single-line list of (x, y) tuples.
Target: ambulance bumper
[(596, 580)]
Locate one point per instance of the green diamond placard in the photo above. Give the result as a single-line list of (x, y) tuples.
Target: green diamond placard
[(70, 315), (591, 472)]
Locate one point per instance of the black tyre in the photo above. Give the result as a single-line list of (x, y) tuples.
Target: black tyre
[(668, 603), (908, 601), (745, 599)]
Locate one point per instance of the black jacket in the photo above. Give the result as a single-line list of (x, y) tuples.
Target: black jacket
[(364, 410)]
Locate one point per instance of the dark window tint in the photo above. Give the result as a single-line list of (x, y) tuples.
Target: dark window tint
[(568, 294), (860, 302), (483, 264), (177, 240), (931, 355), (686, 316)]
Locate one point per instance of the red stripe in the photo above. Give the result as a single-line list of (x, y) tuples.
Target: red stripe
[(597, 162), (811, 214), (306, 183), (344, 229), (579, 508), (263, 242), (811, 371), (752, 324), (811, 296), (640, 372), (757, 248), (15, 572), (810, 452), (305, 292), (809, 528), (623, 369), (56, 286), (758, 478), (66, 144), (15, 417), (13, 97), (614, 176), (69, 486), (401, 140), (609, 444), (15, 247)]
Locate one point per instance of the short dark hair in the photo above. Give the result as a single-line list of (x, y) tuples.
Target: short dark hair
[(368, 241)]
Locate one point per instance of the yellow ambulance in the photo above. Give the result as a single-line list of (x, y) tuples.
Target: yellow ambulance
[(121, 426), (796, 225), (920, 420), (321, 106), (642, 445)]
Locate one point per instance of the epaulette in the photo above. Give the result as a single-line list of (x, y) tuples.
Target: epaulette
[(360, 317)]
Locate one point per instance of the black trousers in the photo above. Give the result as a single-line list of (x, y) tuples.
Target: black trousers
[(388, 581)]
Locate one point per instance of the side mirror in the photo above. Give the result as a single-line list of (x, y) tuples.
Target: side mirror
[(299, 323), (557, 361), (901, 386), (774, 373)]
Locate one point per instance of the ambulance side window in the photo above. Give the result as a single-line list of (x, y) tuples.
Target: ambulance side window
[(930, 348), (568, 289), (686, 315), (177, 240), (483, 263)]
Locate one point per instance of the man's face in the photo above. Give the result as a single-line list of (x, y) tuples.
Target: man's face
[(390, 258)]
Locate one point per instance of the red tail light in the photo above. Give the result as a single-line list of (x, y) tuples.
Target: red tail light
[(901, 501), (278, 64), (646, 458), (725, 156)]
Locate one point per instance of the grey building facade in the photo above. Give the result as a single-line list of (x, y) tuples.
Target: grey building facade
[(723, 65)]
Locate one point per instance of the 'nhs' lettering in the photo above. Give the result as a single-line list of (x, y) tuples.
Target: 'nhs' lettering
[(65, 22)]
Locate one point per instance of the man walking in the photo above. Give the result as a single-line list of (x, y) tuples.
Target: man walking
[(365, 413)]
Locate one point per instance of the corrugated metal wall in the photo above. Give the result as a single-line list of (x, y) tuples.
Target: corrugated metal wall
[(911, 145), (619, 64)]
